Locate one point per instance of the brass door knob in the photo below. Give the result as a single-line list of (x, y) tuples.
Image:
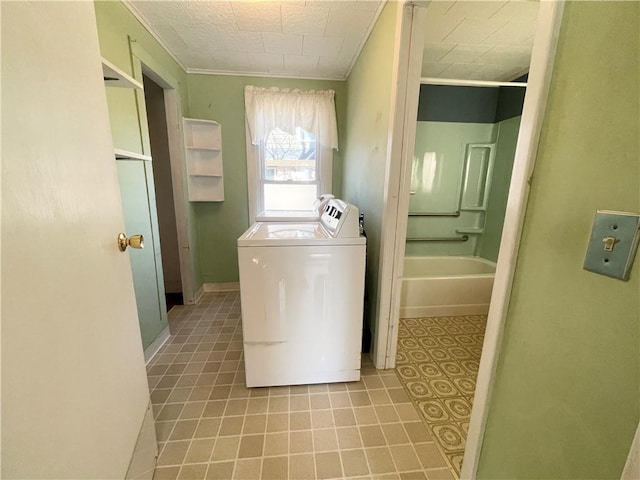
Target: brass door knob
[(134, 241)]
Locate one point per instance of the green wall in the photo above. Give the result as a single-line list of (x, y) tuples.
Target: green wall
[(221, 98), (365, 157), (507, 137), (126, 43), (566, 399), (115, 26)]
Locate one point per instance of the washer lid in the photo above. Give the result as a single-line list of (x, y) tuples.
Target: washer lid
[(278, 234)]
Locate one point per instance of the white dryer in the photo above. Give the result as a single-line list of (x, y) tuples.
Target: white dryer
[(302, 294)]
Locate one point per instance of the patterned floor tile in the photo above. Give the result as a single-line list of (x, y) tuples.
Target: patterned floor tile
[(437, 362)]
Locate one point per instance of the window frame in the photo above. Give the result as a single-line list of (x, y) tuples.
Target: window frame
[(255, 182)]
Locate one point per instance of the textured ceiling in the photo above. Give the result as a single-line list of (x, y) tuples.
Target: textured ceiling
[(479, 39), (313, 39)]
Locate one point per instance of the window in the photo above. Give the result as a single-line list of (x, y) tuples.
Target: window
[(290, 135)]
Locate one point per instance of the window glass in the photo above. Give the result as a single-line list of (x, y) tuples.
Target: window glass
[(289, 173)]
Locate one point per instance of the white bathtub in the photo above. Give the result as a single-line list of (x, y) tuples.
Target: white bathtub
[(443, 286)]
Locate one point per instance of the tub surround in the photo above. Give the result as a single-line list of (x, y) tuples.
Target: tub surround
[(463, 157), (445, 286)]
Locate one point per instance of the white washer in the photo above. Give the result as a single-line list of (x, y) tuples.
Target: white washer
[(302, 293)]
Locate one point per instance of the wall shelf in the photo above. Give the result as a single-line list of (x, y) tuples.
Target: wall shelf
[(115, 77), (203, 145), (190, 147), (126, 155)]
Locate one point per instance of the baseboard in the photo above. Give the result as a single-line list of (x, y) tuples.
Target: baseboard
[(444, 310), (156, 345), (145, 453), (222, 287), (197, 296)]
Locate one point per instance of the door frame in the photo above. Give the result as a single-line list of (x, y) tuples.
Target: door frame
[(397, 208), (173, 109)]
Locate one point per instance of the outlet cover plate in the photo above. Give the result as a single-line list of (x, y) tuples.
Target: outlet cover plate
[(618, 231)]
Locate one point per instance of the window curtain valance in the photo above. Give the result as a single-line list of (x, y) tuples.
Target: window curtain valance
[(271, 108)]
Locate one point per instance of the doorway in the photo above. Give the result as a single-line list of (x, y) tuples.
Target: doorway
[(165, 204), (460, 176), (546, 33)]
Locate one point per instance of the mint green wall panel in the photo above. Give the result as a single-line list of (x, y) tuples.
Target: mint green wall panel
[(437, 172), (507, 137), (219, 224), (138, 203), (369, 88), (566, 400)]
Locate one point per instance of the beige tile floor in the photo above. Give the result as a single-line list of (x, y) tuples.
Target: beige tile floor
[(209, 425)]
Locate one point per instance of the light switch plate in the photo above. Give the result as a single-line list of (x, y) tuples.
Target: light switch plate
[(613, 244)]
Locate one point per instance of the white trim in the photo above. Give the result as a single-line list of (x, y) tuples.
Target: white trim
[(145, 453), (252, 173), (469, 83), (221, 287), (173, 111), (385, 328), (198, 295), (180, 200), (632, 467), (542, 60), (156, 345), (131, 7), (203, 71)]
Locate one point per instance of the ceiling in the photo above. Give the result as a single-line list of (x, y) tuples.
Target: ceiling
[(308, 39), (479, 40), (482, 40)]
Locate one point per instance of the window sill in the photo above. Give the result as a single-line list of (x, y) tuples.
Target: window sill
[(284, 216)]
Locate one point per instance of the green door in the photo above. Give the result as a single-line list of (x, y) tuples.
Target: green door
[(140, 217)]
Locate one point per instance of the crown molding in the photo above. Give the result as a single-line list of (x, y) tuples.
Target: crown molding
[(204, 71)]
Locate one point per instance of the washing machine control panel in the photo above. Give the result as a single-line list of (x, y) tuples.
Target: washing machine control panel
[(340, 218)]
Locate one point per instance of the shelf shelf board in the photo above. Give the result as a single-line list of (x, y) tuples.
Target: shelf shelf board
[(200, 120), (215, 175), (115, 77), (470, 230), (126, 155), (209, 149)]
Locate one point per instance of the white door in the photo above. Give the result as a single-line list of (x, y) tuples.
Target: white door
[(74, 391)]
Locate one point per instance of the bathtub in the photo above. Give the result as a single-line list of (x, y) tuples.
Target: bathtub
[(443, 286)]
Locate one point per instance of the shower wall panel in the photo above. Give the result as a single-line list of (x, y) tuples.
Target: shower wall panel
[(436, 179)]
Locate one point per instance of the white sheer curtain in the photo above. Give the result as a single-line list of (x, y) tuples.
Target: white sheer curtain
[(271, 108)]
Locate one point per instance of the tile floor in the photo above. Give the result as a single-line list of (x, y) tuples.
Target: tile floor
[(209, 425), (437, 362)]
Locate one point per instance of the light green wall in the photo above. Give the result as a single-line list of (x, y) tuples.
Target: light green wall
[(507, 137), (221, 98), (567, 392), (116, 26), (368, 107), (439, 191)]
